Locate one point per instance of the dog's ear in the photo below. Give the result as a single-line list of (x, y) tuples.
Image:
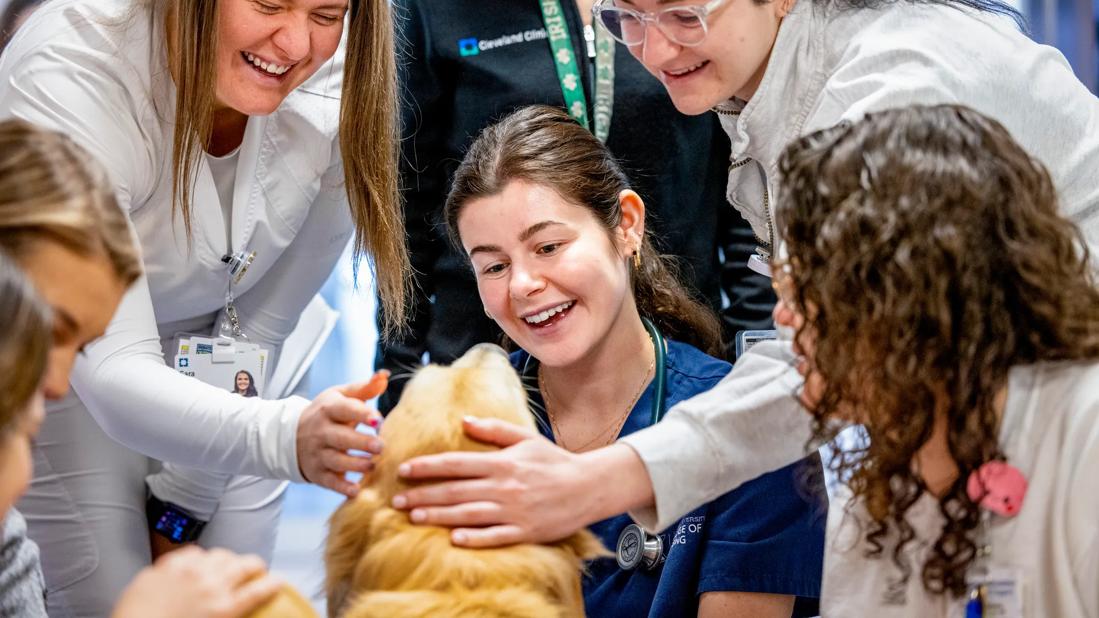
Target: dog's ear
[(585, 546)]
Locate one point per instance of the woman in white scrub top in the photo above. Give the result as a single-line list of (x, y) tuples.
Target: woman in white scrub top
[(243, 97)]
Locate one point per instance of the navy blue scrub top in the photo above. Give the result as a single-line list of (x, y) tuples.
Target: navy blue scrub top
[(765, 536)]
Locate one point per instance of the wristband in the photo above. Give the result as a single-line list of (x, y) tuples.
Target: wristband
[(172, 522)]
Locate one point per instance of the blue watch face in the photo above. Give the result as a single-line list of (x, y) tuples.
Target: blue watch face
[(174, 525)]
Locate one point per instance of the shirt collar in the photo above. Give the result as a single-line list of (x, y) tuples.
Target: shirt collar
[(761, 127)]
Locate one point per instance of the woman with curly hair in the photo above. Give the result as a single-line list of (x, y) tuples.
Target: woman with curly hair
[(940, 301)]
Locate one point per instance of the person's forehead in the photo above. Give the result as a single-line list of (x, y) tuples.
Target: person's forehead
[(514, 211)]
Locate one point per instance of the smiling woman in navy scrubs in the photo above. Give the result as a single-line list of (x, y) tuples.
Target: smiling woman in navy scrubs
[(558, 247)]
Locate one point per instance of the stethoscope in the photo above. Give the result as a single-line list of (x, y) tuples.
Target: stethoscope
[(636, 547)]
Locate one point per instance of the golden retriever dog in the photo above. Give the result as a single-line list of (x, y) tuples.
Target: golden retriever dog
[(379, 564)]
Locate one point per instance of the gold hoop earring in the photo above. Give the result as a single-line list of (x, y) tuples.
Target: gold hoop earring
[(637, 260)]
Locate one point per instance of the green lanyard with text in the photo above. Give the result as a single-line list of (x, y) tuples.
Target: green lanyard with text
[(568, 71)]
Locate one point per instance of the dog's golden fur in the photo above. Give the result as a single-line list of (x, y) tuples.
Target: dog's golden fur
[(288, 603), (379, 564)]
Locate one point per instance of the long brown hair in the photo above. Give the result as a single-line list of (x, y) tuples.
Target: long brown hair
[(544, 146), (24, 342), (52, 190), (368, 134), (928, 258)]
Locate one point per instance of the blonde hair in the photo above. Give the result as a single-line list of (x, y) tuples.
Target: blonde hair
[(51, 189), (24, 342), (368, 134)]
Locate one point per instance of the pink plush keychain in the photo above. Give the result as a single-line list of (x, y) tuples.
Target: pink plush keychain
[(998, 487)]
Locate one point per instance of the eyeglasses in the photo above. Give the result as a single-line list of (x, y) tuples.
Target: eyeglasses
[(684, 25)]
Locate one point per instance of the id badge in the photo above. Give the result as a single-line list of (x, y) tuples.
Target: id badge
[(198, 344), (746, 339), (237, 367), (996, 593)]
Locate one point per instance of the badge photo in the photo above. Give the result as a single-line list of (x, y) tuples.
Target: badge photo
[(241, 373)]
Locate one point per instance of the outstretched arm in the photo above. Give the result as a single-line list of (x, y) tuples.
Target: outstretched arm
[(533, 491)]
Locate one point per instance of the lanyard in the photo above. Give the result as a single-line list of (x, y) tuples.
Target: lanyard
[(599, 44)]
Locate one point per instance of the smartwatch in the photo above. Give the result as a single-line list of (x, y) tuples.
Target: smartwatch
[(172, 522)]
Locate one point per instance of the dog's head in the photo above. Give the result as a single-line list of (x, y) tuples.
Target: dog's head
[(379, 564), (428, 418)]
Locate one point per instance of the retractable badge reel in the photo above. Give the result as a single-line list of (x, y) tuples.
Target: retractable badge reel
[(237, 264), (225, 358)]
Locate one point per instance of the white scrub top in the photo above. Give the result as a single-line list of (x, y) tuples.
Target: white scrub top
[(96, 70)]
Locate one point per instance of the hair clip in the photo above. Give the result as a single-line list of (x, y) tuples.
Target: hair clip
[(998, 487)]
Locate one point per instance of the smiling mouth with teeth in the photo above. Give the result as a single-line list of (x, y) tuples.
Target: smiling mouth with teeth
[(269, 68), (543, 318), (691, 69)]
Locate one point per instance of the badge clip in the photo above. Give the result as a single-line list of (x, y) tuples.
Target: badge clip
[(238, 263)]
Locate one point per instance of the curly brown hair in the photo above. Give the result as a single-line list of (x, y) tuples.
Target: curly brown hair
[(928, 258), (545, 146)]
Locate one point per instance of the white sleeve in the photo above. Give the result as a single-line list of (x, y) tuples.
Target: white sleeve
[(269, 313), (1031, 91), (151, 408), (748, 424), (122, 378)]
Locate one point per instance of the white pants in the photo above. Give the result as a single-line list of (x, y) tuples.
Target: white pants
[(86, 510)]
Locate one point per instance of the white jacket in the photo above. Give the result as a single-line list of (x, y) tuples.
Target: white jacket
[(828, 66), (97, 71)]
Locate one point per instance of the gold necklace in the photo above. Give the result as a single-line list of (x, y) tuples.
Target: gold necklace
[(615, 427)]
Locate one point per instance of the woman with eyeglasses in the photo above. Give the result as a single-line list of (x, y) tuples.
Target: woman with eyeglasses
[(773, 71), (469, 62)]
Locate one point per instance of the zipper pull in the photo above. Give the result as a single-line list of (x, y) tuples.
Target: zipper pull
[(589, 39)]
